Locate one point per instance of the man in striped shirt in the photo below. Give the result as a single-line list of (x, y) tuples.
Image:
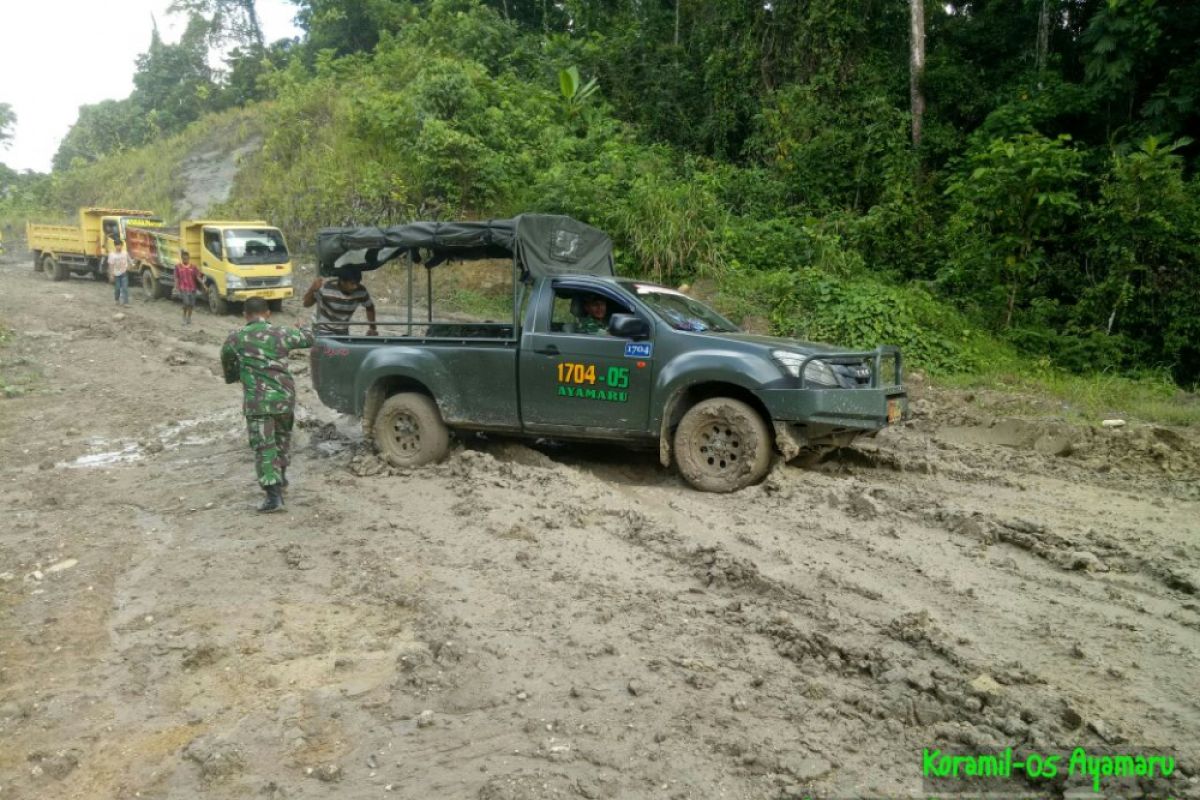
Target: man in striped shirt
[(336, 299)]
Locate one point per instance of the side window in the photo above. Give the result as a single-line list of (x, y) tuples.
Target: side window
[(110, 230), (212, 242), (561, 314), (571, 314)]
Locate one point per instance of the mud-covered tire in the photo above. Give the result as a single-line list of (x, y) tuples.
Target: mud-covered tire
[(216, 304), (275, 305), (408, 430), (154, 288), (722, 445), (54, 269)]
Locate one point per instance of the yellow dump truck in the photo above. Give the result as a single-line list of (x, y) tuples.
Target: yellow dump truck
[(62, 250), (238, 259)]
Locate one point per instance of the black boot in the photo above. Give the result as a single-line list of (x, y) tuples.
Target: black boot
[(274, 501)]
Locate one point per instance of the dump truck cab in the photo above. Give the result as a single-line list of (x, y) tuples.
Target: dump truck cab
[(239, 260)]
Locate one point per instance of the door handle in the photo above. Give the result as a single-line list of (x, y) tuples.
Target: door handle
[(548, 350)]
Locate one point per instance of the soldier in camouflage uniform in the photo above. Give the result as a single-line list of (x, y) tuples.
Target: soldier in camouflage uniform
[(257, 356), (595, 315)]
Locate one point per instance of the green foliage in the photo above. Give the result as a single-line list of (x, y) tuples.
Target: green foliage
[(1013, 195), (809, 304), (1145, 235), (8, 120), (574, 91), (828, 150)]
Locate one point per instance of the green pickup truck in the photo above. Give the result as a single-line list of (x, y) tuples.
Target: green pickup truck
[(587, 356)]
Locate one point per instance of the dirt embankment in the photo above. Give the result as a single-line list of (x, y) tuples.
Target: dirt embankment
[(564, 622)]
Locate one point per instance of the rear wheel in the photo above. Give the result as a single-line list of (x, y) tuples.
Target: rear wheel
[(408, 430), (153, 287), (53, 269), (722, 445), (217, 304)]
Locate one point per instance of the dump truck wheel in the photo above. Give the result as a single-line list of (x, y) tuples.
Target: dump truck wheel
[(154, 288), (722, 445), (52, 269), (216, 303), (275, 305), (408, 430)]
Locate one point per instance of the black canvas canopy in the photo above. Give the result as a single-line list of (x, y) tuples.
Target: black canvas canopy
[(541, 244)]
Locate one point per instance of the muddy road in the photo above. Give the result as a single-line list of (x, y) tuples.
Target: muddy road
[(567, 622)]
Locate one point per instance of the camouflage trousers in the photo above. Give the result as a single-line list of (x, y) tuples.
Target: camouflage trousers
[(271, 439)]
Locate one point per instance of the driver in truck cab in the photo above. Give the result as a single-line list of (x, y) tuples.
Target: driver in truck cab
[(594, 319)]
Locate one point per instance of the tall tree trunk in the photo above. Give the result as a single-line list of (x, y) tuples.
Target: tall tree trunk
[(916, 66), (1043, 37), (677, 2)]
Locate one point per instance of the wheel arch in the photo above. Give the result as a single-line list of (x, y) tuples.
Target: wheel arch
[(384, 387), (684, 397)]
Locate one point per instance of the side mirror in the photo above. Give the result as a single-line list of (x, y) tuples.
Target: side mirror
[(628, 326)]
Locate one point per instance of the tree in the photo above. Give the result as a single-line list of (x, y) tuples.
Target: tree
[(173, 82), (8, 119), (1017, 195), (228, 20), (107, 127), (916, 67), (348, 26)]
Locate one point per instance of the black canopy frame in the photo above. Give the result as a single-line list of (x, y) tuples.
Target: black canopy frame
[(539, 245)]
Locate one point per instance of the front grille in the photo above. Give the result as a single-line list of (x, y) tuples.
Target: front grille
[(854, 375), (264, 283)]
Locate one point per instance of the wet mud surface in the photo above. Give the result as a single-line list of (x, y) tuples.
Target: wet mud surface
[(558, 621)]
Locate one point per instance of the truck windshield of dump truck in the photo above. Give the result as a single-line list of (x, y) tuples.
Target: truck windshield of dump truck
[(678, 310), (255, 246)]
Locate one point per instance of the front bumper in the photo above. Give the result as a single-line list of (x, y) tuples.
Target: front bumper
[(240, 295), (861, 409)]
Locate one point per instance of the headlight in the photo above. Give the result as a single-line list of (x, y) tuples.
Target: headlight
[(816, 372), (286, 280), (234, 282)]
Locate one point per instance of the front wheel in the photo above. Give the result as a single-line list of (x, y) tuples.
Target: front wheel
[(275, 305), (408, 430), (217, 304), (722, 445)]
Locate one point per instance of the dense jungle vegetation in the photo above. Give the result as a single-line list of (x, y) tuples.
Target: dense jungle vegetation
[(1022, 195)]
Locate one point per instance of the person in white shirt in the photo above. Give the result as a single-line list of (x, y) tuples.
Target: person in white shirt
[(118, 272)]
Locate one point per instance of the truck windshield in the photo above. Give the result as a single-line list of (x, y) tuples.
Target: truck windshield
[(678, 310), (255, 246)]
